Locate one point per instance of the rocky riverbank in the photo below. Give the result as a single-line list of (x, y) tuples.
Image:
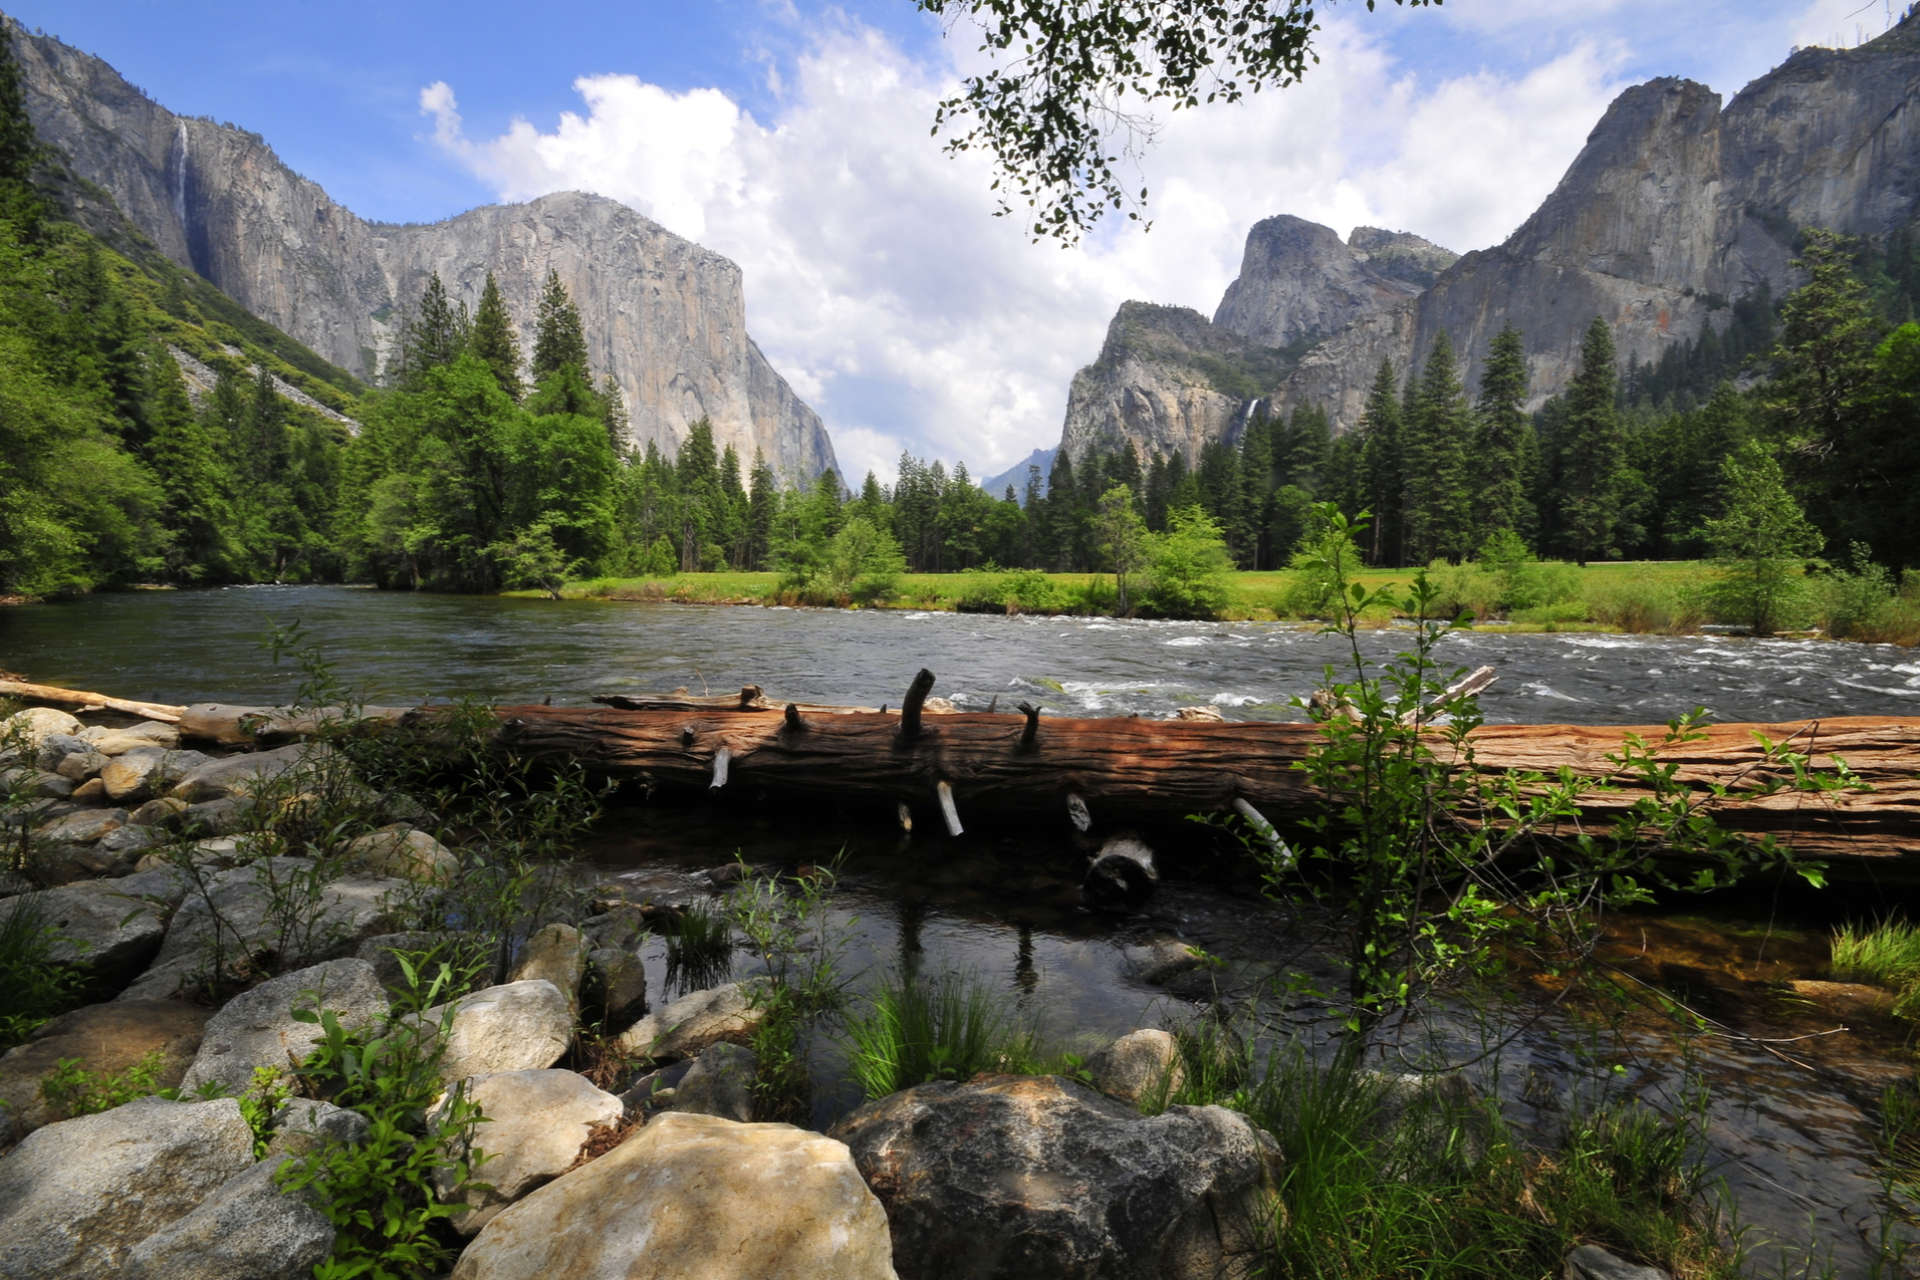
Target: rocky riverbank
[(205, 913)]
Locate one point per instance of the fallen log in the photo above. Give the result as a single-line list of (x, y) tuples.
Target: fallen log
[(80, 700), (1112, 772)]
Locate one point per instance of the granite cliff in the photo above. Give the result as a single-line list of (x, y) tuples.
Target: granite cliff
[(664, 316), (1676, 206)]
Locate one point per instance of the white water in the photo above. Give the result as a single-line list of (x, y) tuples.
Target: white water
[(180, 177)]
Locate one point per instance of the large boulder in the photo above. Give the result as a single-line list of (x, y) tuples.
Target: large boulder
[(1039, 1178), (257, 1027), (107, 1040), (251, 773), (76, 1197), (267, 908), (249, 1229), (108, 929), (536, 1123), (521, 1026), (695, 1198), (693, 1022)]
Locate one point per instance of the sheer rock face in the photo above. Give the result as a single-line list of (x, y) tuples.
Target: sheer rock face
[(666, 317), (1676, 207)]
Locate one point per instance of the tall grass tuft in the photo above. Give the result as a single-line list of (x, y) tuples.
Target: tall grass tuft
[(1886, 955), (36, 985), (915, 1030), (699, 950)]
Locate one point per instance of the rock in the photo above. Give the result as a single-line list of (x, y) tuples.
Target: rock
[(556, 953), (1139, 1065), (248, 1229), (521, 1026), (330, 923), (106, 1040), (56, 747), (76, 1197), (614, 994), (302, 1125), (84, 827), (92, 791), (109, 929), (128, 842), (1299, 280), (1019, 1176), (719, 1083), (1212, 715), (227, 816), (35, 725), (251, 773), (1166, 379), (1122, 876), (1162, 959), (695, 1198), (622, 925), (655, 1090), (1591, 1262), (257, 1028), (400, 850), (536, 1122), (78, 766), (37, 783), (148, 733), (137, 775), (164, 812), (434, 944), (693, 1022)]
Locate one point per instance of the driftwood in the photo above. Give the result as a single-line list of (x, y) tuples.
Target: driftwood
[(47, 695), (978, 767)]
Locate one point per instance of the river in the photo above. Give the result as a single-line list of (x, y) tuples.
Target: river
[(1790, 1127)]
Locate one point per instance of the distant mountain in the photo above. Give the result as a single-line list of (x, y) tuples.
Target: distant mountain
[(1675, 208), (664, 316), (1016, 475)]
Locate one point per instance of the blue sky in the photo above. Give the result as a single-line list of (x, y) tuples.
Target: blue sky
[(793, 137)]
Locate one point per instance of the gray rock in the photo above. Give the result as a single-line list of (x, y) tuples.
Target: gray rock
[(327, 923), (719, 1083), (128, 842), (520, 1026), (1299, 280), (35, 725), (55, 747), (257, 1028), (137, 775), (302, 1125), (1099, 1189), (106, 1040), (695, 1196), (148, 733), (1140, 1065), (614, 995), (227, 816), (109, 929), (250, 773), (556, 953), (36, 783), (92, 791), (403, 851), (1591, 1262), (164, 812), (84, 827), (693, 1022), (536, 1123), (248, 1229), (76, 1197), (78, 766), (622, 925)]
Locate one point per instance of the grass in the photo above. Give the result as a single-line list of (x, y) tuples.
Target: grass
[(37, 986), (950, 1028), (1886, 954), (699, 950), (1386, 1178)]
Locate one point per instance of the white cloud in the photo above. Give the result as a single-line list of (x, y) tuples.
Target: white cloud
[(880, 285)]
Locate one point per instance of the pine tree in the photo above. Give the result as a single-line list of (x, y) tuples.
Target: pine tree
[(437, 334), (1505, 452), (613, 414), (493, 339), (559, 339), (20, 151), (1592, 450), (1439, 513), (1380, 466)]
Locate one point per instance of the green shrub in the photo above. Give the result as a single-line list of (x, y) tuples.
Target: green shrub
[(71, 1090), (1191, 574), (788, 930), (36, 985)]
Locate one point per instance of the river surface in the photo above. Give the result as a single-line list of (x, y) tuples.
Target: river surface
[(200, 646), (1790, 1127)]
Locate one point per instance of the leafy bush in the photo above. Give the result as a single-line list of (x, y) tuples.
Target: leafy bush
[(1191, 573), (37, 986), (787, 930), (379, 1193), (71, 1090)]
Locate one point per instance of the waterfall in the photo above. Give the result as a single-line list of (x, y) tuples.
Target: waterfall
[(180, 178), (1246, 416)]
